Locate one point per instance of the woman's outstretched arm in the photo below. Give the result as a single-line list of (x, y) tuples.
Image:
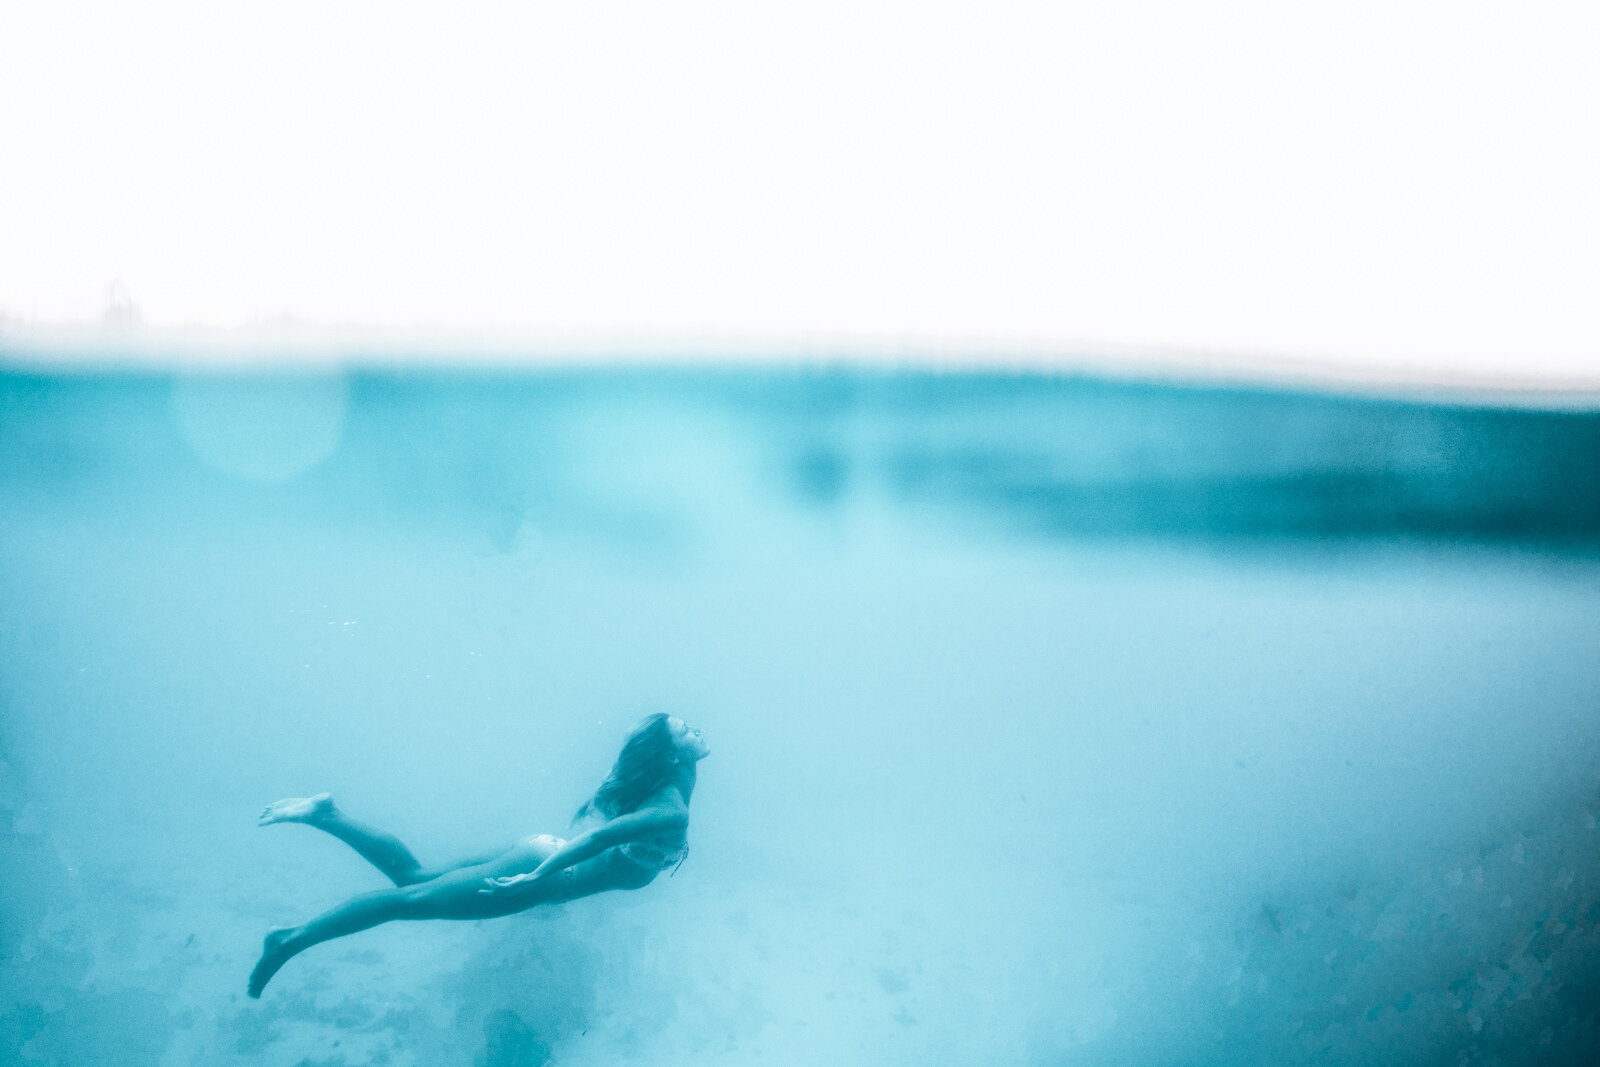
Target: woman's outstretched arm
[(655, 821)]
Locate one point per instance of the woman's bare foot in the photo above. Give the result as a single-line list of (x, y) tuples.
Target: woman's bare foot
[(297, 809), (275, 952)]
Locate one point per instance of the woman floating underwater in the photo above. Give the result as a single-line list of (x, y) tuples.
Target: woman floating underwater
[(641, 821)]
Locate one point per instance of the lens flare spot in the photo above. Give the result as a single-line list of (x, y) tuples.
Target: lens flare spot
[(263, 427)]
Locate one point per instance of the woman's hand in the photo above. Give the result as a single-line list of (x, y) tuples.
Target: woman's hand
[(497, 884)]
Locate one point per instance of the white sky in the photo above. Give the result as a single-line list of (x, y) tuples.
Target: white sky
[(1380, 184)]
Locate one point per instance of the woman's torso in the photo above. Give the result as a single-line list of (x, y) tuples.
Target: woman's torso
[(658, 852)]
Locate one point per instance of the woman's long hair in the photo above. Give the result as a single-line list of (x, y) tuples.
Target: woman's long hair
[(648, 761)]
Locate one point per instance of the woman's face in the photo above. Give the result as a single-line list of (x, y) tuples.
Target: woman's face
[(688, 739)]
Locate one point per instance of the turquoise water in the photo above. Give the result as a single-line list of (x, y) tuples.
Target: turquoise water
[(1054, 721)]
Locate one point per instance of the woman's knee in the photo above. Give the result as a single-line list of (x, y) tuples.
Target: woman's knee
[(411, 876), (417, 901), (446, 899)]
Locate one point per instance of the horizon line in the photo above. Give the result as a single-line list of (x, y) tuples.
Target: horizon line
[(127, 343)]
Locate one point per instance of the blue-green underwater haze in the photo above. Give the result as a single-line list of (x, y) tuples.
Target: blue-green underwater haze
[(1054, 721)]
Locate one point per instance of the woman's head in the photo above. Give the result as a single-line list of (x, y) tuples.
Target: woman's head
[(691, 744), (660, 749)]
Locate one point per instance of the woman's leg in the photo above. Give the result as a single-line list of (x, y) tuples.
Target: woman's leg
[(457, 894), (383, 850), (357, 913)]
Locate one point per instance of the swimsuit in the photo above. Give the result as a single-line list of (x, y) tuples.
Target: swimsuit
[(654, 855)]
